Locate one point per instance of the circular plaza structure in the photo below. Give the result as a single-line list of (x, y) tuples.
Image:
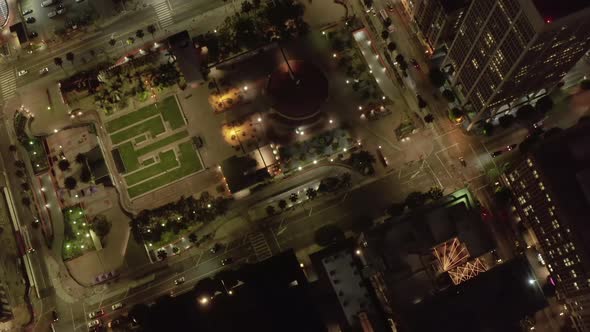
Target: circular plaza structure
[(297, 94)]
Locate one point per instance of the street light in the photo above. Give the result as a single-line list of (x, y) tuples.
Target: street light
[(204, 300)]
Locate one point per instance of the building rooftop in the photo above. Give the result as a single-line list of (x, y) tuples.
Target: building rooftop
[(273, 297), (493, 301), (552, 10), (187, 57), (243, 172)]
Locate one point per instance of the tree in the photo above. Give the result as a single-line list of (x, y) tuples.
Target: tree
[(429, 118), (139, 34), (391, 46), (70, 183), (527, 115), (175, 250), (415, 199), (162, 254), (448, 95), (26, 201), (293, 197), (58, 61), (544, 104), (456, 113), (130, 40), (81, 158), (506, 120), (63, 165), (247, 7), (101, 226), (112, 42), (19, 173), (25, 186), (387, 22), (151, 29), (270, 210), (282, 204), (585, 85), (396, 209), (384, 34), (192, 237), (70, 57), (19, 163), (437, 77), (12, 148), (363, 161), (311, 193), (435, 193), (368, 3), (256, 3), (328, 234)]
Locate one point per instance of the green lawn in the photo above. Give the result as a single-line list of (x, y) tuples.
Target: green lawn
[(189, 163), (77, 240), (167, 162), (129, 157), (171, 113), (131, 118), (161, 143), (153, 125)]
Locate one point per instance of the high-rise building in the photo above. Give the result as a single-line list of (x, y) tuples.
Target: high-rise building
[(507, 52), (439, 20), (551, 187)]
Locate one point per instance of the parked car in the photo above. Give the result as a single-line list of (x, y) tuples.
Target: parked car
[(78, 1), (47, 3), (114, 323), (43, 71), (227, 261), (415, 64), (54, 316), (30, 20), (117, 306), (94, 314), (382, 158), (27, 12), (52, 14), (507, 148), (22, 72), (179, 281), (94, 323)]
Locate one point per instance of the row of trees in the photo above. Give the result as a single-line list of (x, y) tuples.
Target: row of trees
[(282, 204), (150, 225), (415, 200), (85, 174)]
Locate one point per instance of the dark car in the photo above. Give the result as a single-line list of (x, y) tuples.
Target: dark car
[(415, 63), (30, 20), (505, 149), (227, 261), (33, 34), (54, 316), (115, 323)]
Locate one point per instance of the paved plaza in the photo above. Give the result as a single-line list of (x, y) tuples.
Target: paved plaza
[(152, 147)]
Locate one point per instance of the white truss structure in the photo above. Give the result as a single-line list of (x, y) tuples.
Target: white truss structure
[(467, 271), (450, 254)]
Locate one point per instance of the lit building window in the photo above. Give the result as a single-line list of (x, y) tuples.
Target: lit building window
[(574, 275), (541, 185), (555, 224), (576, 286)]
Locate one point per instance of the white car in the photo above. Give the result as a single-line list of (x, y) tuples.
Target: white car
[(61, 11), (94, 323), (179, 281), (43, 71), (78, 1), (52, 14), (22, 72), (117, 306)]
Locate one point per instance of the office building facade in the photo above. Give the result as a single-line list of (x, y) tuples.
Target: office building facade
[(551, 188), (507, 52), (439, 20)]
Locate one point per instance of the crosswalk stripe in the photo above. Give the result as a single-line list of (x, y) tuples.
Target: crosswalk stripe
[(260, 246), (164, 14), (7, 83)]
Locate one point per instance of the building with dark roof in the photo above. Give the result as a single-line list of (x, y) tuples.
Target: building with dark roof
[(429, 249), (509, 52), (493, 301), (439, 20), (551, 188), (348, 301), (271, 296)]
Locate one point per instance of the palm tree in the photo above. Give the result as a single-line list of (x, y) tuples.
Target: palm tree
[(282, 204), (112, 42), (391, 46), (70, 57), (311, 193), (81, 158), (247, 7), (58, 62), (70, 183), (384, 34), (429, 118), (139, 34), (293, 197), (12, 148), (270, 210)]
